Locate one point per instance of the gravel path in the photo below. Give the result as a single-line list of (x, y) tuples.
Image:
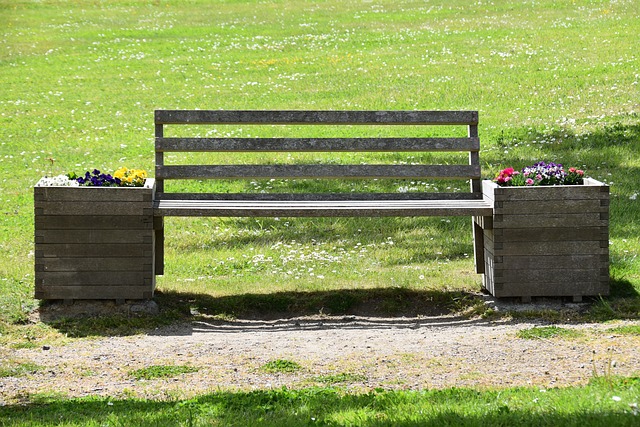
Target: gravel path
[(394, 353)]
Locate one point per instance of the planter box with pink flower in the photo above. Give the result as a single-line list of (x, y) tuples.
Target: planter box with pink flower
[(93, 241), (547, 240)]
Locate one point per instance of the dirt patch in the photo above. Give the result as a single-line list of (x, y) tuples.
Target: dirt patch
[(380, 352)]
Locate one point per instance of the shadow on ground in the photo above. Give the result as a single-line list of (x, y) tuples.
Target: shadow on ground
[(362, 308)]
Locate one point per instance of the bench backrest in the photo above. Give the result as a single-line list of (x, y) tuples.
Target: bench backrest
[(467, 170)]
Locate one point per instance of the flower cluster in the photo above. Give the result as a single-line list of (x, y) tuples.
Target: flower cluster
[(123, 177), (96, 179), (130, 177), (540, 173), (57, 181)]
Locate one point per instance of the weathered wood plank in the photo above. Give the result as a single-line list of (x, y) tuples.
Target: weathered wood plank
[(543, 207), (534, 235), (557, 192), (106, 250), (94, 278), (550, 220), (83, 264), (97, 194), (567, 289), (96, 222), (318, 209), (316, 117), (318, 171), (552, 262), (300, 197), (92, 208), (94, 237), (548, 248), (94, 292), (317, 144)]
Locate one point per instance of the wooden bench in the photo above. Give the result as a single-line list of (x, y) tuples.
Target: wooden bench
[(227, 202)]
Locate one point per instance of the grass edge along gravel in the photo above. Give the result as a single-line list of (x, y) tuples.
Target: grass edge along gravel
[(601, 402)]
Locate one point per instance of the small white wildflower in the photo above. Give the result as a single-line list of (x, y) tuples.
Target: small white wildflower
[(57, 181), (634, 196), (616, 398)]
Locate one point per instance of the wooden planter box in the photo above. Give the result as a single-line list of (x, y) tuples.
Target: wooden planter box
[(547, 240), (94, 242)]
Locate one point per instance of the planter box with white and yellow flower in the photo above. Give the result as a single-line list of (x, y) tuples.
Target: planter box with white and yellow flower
[(548, 241), (94, 242)]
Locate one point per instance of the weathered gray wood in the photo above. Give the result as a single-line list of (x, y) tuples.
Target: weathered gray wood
[(94, 236), (551, 262), (567, 206), (58, 264), (335, 204), (94, 278), (319, 209), (540, 234), (558, 248), (317, 171), (91, 208), (102, 222), (586, 219), (93, 292), (316, 117), (300, 197), (95, 194), (316, 144), (106, 250), (93, 242)]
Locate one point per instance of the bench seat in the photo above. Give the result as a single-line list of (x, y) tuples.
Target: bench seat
[(321, 208)]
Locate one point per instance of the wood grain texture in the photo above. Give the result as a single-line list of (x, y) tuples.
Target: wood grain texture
[(315, 117), (94, 243), (547, 241)]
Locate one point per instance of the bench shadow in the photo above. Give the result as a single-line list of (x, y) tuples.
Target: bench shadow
[(184, 313), (171, 313)]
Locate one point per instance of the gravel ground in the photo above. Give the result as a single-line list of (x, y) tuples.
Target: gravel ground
[(390, 353)]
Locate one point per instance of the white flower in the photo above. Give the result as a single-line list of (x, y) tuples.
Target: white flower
[(57, 181), (634, 196)]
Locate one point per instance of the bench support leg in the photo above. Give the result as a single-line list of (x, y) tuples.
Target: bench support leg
[(478, 246), (158, 226)]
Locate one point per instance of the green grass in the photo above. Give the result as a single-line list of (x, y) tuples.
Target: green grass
[(162, 371), (593, 405), (543, 332), (280, 366), (11, 368), (557, 81), (554, 81)]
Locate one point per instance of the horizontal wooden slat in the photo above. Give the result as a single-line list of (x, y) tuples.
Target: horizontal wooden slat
[(94, 264), (94, 222), (568, 206), (316, 117), (322, 208), (317, 144), (557, 262), (95, 292), (533, 235), (107, 250), (101, 194), (92, 208), (299, 197), (317, 171), (87, 278), (550, 220), (95, 237)]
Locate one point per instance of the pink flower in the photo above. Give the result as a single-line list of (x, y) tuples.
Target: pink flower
[(529, 181)]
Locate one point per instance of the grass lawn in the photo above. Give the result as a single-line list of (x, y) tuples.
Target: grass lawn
[(553, 80)]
